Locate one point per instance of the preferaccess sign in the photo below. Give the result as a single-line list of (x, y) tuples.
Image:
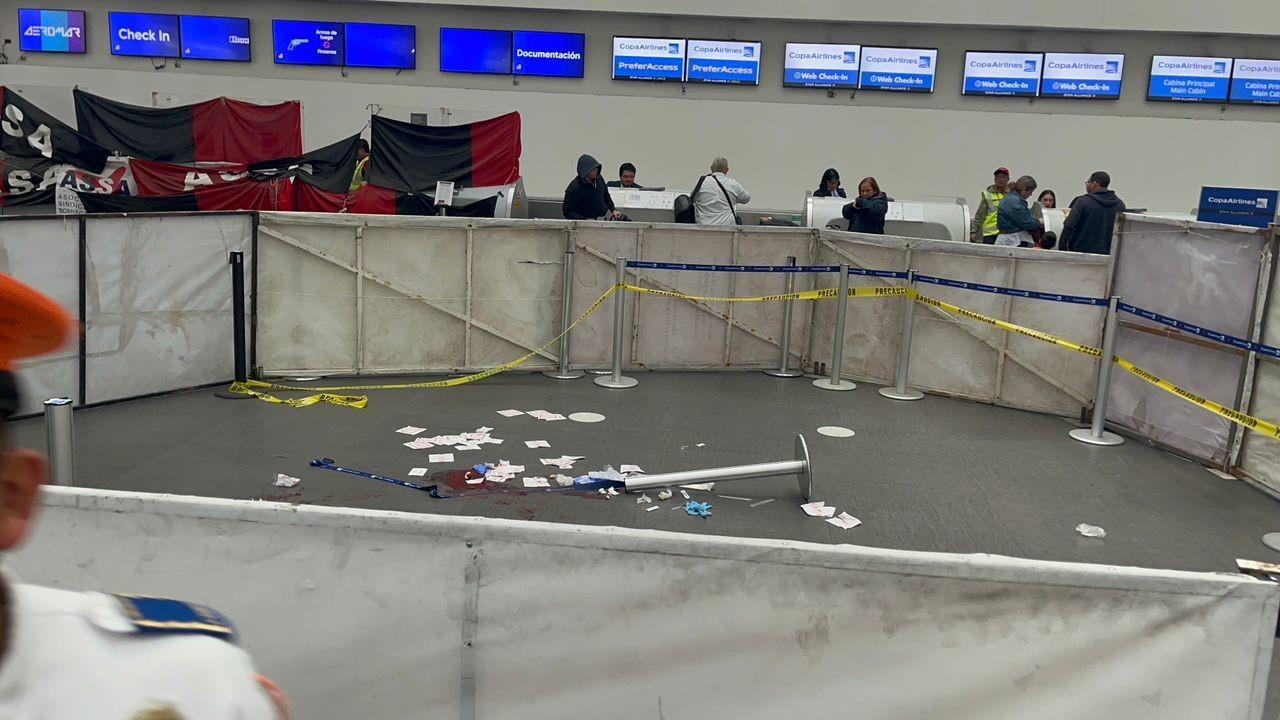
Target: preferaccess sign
[(723, 61), (1237, 206), (1082, 75), (1256, 82), (648, 59), (821, 65), (1000, 73), (1189, 79), (900, 69)]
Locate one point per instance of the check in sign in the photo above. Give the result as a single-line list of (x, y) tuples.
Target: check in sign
[(1238, 206), (1082, 75)]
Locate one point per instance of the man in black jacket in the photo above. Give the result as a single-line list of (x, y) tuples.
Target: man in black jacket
[(1092, 218), (587, 197)]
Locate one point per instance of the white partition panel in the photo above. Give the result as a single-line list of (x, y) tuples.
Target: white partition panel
[(1204, 274), (158, 302), (361, 613), (44, 253)]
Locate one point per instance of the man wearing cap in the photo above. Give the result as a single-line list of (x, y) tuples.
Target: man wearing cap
[(985, 226), (70, 654)]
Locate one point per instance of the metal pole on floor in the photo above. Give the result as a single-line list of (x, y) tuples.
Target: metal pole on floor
[(615, 380), (784, 370), (1097, 433), (59, 435), (900, 391), (800, 466), (837, 343), (236, 261), (566, 317)]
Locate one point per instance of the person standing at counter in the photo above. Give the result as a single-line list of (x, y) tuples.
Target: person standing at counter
[(829, 186), (985, 218), (1047, 199), (1014, 218), (626, 178), (866, 213), (715, 202), (1092, 219), (587, 197)]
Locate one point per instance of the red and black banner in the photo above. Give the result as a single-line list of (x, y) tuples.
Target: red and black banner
[(328, 169), (29, 133), (246, 194), (413, 158), (374, 200), (218, 130)]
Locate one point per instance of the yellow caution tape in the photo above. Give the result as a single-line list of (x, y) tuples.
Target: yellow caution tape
[(1008, 326), (1262, 426), (826, 294), (251, 387)]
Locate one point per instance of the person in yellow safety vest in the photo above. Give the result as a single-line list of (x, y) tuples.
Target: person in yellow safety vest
[(984, 226), (362, 165)]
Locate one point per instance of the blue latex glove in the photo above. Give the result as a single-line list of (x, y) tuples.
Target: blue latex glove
[(693, 507)]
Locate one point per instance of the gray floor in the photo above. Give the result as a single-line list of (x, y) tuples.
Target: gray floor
[(937, 475)]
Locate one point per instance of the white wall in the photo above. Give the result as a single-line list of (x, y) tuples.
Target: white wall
[(778, 140)]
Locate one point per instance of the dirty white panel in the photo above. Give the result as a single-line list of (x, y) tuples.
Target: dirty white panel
[(158, 302), (679, 333), (598, 244), (1201, 273), (45, 255), (516, 294), (540, 620), (757, 335), (873, 326)]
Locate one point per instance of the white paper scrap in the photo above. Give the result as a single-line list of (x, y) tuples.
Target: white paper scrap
[(413, 445), (685, 494), (411, 430), (708, 487), (441, 457), (628, 469), (491, 440), (551, 417), (818, 509), (651, 508), (484, 430), (613, 491), (664, 494), (418, 472), (536, 444), (466, 446), (283, 480), (475, 481), (536, 482), (563, 480), (845, 521), (510, 413), (644, 499)]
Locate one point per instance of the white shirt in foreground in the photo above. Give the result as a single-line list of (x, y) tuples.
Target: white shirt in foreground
[(75, 655), (710, 206)]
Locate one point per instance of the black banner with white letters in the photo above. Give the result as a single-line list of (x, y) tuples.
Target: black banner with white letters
[(29, 133)]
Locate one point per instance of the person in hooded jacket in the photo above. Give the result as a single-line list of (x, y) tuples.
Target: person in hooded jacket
[(1092, 219), (866, 213), (829, 186), (587, 197)]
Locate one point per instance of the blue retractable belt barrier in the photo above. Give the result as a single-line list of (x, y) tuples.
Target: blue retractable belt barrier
[(1034, 295), (1223, 338), (734, 268)]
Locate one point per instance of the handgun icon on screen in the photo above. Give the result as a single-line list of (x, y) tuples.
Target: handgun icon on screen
[(295, 43)]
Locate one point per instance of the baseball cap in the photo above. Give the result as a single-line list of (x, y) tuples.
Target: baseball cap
[(1001, 171), (30, 324)]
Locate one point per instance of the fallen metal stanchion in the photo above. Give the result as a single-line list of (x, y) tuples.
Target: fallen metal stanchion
[(616, 380), (900, 391), (800, 467), (784, 370), (837, 343), (566, 317), (1097, 433)]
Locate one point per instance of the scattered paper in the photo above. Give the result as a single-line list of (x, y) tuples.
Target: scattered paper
[(644, 499), (536, 482), (708, 487), (531, 444), (550, 417), (441, 458), (510, 413), (484, 430), (818, 509), (844, 521), (420, 444), (613, 491), (475, 481), (539, 414), (664, 494), (701, 445), (608, 473), (564, 462), (491, 440), (684, 494), (651, 508), (283, 480), (563, 480), (466, 446), (418, 472), (413, 445), (631, 470), (411, 430), (1091, 531)]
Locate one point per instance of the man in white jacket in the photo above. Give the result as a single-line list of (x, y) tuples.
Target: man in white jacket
[(716, 199)]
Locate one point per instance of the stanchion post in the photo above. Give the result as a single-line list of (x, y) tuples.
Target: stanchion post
[(784, 365), (900, 391), (1097, 433), (837, 343), (616, 380), (236, 262), (566, 317), (58, 429)]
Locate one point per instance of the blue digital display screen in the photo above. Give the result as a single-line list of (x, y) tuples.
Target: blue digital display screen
[(464, 50), (307, 42), (56, 31), (215, 38), (636, 58), (144, 34), (548, 54), (723, 61), (1189, 79), (374, 45), (1255, 82)]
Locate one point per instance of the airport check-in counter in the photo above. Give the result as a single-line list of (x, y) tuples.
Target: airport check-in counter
[(512, 200), (927, 219)]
